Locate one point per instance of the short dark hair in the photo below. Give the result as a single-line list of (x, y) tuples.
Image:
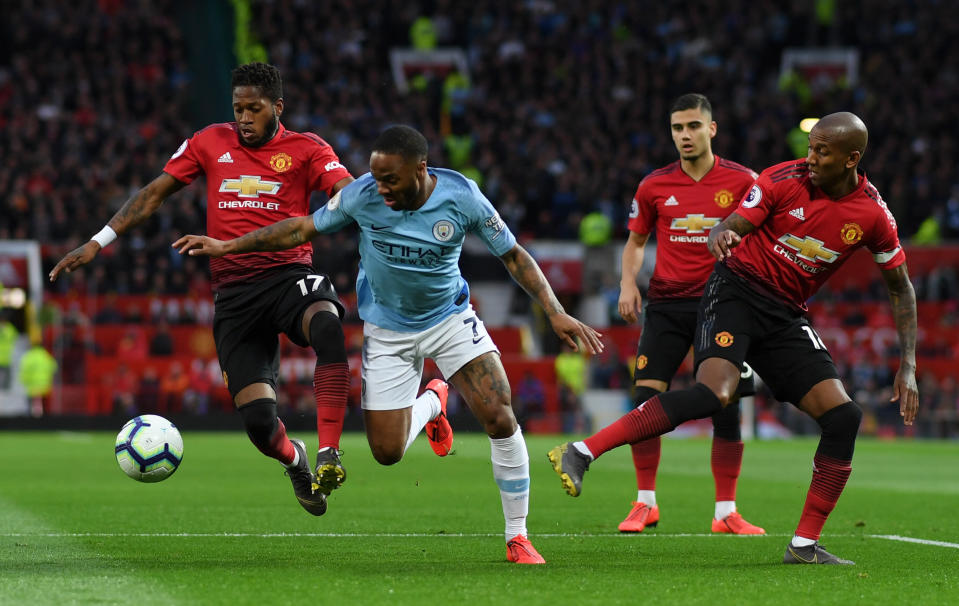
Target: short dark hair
[(262, 75), (692, 101), (403, 141)]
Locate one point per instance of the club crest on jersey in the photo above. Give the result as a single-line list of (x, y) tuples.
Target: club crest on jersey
[(443, 230), (281, 162), (753, 198), (723, 198), (724, 339), (641, 362), (850, 233), (249, 186)]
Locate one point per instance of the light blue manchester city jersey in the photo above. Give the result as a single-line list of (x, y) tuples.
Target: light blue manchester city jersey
[(409, 277)]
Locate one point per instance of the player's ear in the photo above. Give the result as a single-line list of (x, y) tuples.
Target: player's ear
[(854, 157), (712, 129), (278, 107)]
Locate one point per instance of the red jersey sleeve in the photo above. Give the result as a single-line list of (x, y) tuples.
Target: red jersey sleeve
[(758, 201), (642, 210), (883, 239), (185, 163), (325, 169)]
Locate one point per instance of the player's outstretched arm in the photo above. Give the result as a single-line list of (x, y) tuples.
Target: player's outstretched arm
[(133, 212), (903, 300), (727, 235), (630, 301), (527, 274), (288, 233)]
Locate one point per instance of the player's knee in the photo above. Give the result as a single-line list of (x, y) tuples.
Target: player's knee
[(386, 455), (839, 428), (499, 422), (259, 420), (326, 338)]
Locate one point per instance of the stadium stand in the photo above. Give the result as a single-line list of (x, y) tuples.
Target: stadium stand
[(555, 120)]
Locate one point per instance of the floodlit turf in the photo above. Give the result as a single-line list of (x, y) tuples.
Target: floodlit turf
[(226, 529)]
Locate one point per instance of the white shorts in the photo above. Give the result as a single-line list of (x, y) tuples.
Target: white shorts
[(393, 361)]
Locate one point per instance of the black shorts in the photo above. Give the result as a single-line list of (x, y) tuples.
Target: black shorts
[(248, 319), (738, 323), (668, 330)]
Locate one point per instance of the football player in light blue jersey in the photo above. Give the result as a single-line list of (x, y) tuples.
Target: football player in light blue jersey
[(415, 305)]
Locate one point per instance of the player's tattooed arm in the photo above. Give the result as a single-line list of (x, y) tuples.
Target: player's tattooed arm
[(527, 274), (134, 211), (724, 237), (288, 233), (144, 203), (902, 297)]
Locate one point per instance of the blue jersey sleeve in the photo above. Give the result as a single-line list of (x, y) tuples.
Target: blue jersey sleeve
[(486, 223), (333, 215)]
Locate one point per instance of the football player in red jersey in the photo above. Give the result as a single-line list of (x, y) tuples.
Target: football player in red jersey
[(681, 202), (258, 172), (798, 224)]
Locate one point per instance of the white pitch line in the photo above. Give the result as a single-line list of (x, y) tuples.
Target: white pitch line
[(341, 535), (896, 537)]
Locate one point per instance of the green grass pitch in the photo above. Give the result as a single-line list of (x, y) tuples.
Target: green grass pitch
[(226, 529)]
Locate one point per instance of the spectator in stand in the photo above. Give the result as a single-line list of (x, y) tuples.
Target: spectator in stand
[(173, 387), (161, 343)]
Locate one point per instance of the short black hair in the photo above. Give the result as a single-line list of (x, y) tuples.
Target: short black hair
[(692, 101), (262, 75), (403, 141)]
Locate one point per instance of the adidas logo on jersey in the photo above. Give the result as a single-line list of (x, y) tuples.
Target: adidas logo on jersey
[(225, 158), (671, 201), (797, 212)]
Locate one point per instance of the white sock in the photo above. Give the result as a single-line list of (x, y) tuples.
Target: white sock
[(296, 460), (646, 496), (583, 449), (511, 472), (724, 508), (799, 541), (425, 409)]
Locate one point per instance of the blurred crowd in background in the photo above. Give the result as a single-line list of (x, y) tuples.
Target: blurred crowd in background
[(563, 110)]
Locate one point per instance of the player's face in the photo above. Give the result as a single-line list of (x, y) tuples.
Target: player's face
[(257, 117), (828, 162), (692, 131), (399, 180)]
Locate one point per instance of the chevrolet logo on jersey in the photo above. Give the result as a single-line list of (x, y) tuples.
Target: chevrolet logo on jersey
[(250, 186), (694, 224), (809, 248)]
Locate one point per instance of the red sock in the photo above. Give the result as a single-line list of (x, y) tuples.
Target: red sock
[(829, 477), (647, 421), (646, 461), (331, 387), (727, 460), (280, 447)]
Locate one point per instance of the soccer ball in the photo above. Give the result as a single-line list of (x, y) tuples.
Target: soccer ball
[(149, 448)]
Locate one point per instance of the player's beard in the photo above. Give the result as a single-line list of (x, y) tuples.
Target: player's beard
[(272, 126)]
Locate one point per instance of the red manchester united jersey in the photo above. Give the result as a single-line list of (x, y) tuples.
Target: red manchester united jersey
[(682, 211), (802, 235), (251, 187)]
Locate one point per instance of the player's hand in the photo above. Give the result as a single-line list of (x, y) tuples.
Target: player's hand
[(569, 328), (630, 303), (907, 393), (76, 258), (722, 244), (201, 245)]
